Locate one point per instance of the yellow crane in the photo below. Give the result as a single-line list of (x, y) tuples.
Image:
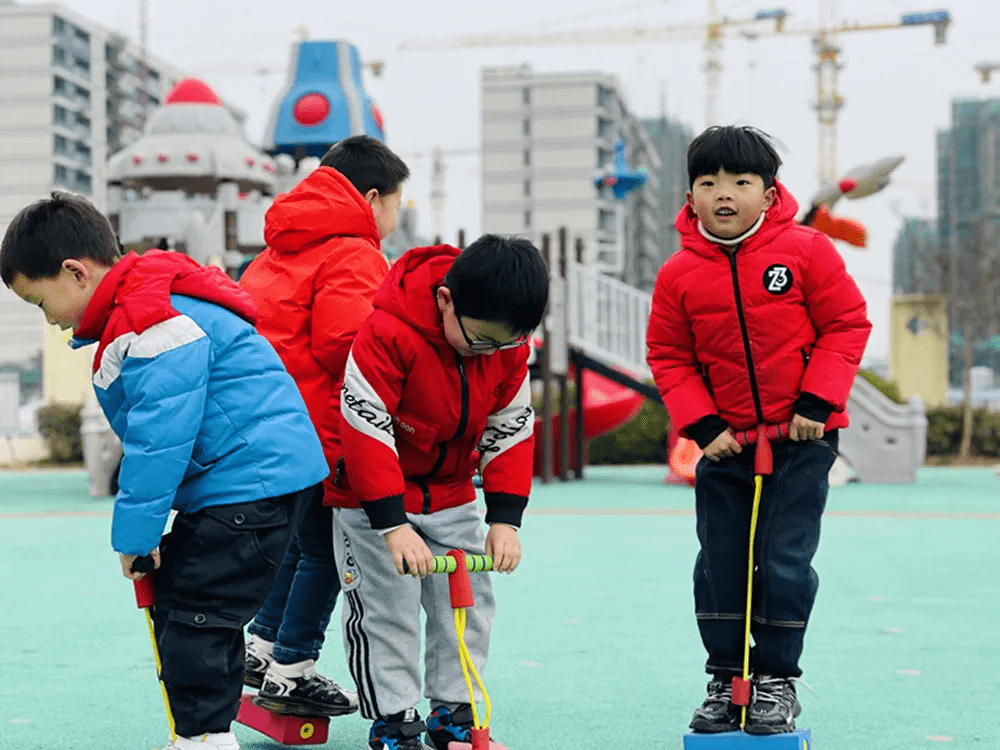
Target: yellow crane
[(768, 22)]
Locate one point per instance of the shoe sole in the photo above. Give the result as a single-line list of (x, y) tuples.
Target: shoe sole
[(253, 680), (289, 708), (762, 730), (705, 727)]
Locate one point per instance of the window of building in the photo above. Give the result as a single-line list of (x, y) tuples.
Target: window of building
[(527, 219), (60, 115), (604, 157), (527, 158), (60, 86), (526, 127), (60, 144), (59, 56), (605, 128), (527, 188), (61, 175), (82, 35), (605, 97), (526, 95), (58, 25), (606, 220)]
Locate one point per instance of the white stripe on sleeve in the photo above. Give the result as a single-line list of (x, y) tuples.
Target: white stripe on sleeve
[(363, 409), (511, 425)]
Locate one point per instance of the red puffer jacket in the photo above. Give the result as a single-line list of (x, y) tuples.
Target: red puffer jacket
[(741, 334), (313, 286), (418, 418)]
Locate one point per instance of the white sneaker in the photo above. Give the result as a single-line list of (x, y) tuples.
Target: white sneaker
[(217, 741), (257, 658)]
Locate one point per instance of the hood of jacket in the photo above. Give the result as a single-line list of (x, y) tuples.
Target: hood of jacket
[(140, 287), (781, 213), (323, 206), (409, 291)]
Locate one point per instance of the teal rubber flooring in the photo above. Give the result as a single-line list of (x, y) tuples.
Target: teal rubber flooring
[(595, 645)]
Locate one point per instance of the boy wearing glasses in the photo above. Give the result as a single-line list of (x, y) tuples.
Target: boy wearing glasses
[(435, 386)]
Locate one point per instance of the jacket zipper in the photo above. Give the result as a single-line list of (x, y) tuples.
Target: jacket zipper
[(463, 422), (754, 391)]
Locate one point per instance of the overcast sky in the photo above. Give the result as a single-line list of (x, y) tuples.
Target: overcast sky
[(897, 84)]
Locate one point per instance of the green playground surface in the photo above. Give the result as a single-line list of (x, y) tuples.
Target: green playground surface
[(595, 645)]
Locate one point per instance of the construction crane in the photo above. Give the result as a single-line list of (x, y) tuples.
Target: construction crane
[(986, 69), (770, 22)]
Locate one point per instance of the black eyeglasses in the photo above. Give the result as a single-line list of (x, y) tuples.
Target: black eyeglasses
[(489, 346)]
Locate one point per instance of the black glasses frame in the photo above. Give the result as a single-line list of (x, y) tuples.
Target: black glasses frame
[(483, 345)]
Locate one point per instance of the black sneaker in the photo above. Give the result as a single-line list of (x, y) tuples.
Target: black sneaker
[(255, 663), (773, 707), (300, 690), (717, 713), (445, 725), (397, 732)]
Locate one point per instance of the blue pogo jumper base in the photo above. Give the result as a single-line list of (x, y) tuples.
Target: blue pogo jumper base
[(800, 739)]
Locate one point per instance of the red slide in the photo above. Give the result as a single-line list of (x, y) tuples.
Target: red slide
[(606, 407)]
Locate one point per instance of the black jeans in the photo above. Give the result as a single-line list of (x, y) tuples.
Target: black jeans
[(217, 566), (785, 583)]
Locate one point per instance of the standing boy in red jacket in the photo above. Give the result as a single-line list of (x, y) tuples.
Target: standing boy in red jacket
[(313, 286), (755, 320), (436, 386)]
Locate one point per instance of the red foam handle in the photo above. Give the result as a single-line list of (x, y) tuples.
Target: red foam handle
[(145, 590), (480, 738), (763, 461), (773, 432), (459, 583), (741, 691)]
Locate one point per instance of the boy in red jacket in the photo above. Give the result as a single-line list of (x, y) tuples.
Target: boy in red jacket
[(755, 320), (313, 287), (436, 385)]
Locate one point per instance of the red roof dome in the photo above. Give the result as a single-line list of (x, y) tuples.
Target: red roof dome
[(192, 91)]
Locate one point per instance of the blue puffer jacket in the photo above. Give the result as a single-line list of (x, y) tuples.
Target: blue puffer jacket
[(205, 410)]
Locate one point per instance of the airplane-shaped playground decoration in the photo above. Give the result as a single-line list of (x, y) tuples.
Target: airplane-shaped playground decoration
[(860, 182), (324, 101), (621, 178)]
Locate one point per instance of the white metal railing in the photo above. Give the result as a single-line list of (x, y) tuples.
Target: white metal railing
[(607, 319)]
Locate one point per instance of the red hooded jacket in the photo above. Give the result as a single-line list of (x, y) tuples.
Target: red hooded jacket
[(743, 333), (418, 418), (313, 286)]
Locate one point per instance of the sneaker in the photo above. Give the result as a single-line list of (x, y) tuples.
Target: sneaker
[(398, 732), (216, 741), (257, 658), (773, 706), (300, 690), (445, 725), (717, 713)]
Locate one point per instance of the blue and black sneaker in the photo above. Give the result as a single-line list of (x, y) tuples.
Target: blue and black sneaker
[(445, 725), (397, 732)]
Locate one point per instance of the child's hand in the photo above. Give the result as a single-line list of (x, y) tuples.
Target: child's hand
[(127, 560), (723, 446), (504, 546), (405, 544), (806, 429)]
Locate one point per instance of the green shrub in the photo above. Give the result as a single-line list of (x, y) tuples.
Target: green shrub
[(640, 441), (60, 426), (889, 389)]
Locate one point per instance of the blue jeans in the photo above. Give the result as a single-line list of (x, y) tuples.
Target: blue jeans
[(785, 583), (297, 611)]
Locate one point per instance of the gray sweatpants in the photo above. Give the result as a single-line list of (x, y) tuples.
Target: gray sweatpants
[(381, 612)]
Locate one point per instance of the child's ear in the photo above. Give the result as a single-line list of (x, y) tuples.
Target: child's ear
[(443, 296), (769, 195), (687, 197), (79, 271)]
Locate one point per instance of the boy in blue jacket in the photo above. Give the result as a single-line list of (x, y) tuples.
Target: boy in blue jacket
[(212, 426)]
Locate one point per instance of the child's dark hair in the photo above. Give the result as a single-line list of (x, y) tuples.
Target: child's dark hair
[(367, 163), (738, 149), (49, 231), (500, 280)]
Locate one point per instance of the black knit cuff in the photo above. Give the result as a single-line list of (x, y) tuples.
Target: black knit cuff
[(707, 429), (504, 508), (385, 512), (813, 407)]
